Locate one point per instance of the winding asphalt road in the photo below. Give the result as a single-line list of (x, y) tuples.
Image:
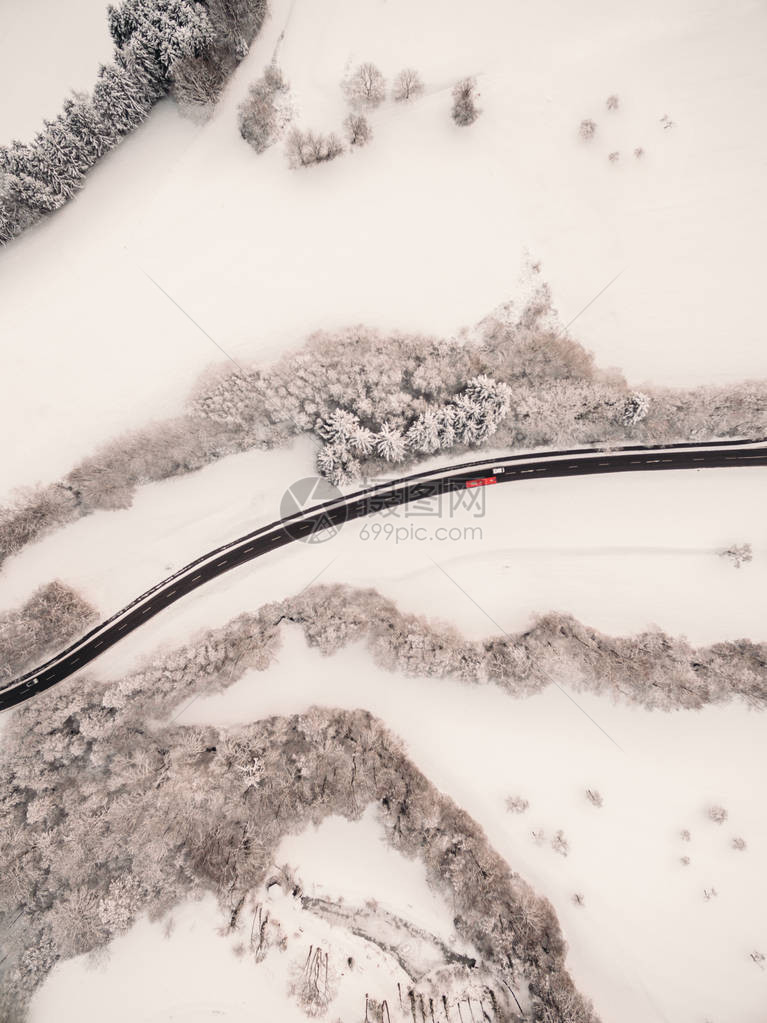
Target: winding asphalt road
[(332, 514)]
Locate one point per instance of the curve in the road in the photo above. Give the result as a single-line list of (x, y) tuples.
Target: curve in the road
[(334, 513)]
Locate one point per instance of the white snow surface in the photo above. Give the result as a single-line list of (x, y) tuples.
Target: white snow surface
[(422, 230)]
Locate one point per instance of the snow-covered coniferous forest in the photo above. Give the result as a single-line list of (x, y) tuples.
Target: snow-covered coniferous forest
[(449, 750)]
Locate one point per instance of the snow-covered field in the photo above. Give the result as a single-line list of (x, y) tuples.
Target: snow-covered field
[(425, 230), (639, 943), (183, 969)]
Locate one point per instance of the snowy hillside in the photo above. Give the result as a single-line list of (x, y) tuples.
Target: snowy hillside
[(186, 248)]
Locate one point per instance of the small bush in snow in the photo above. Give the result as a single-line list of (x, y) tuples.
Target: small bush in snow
[(407, 85), (307, 147), (365, 87), (578, 898), (613, 102), (738, 553), (516, 804), (717, 814), (595, 797), (739, 843), (666, 122), (358, 130), (635, 409), (710, 893), (538, 836), (266, 110), (614, 157), (465, 109), (684, 834), (587, 129), (639, 152), (758, 957), (560, 844), (685, 861)]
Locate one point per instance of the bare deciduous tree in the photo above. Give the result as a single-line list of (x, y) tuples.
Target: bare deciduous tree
[(365, 86), (407, 85), (358, 130), (266, 110)]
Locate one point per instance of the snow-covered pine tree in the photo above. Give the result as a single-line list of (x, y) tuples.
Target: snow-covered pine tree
[(424, 435), (156, 33), (120, 97), (390, 444), (336, 463), (446, 417)]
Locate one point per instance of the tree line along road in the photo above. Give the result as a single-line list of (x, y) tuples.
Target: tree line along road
[(332, 514)]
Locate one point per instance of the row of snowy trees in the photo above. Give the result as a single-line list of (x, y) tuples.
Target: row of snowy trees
[(469, 419), (651, 669), (266, 111), (160, 45), (408, 393)]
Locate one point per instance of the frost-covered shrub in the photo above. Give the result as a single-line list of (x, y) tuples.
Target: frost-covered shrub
[(465, 110), (560, 844), (266, 110), (739, 843), (614, 157), (738, 553), (365, 86), (717, 814), (306, 148), (587, 129), (613, 102), (595, 797), (516, 804), (358, 130), (635, 409), (407, 85)]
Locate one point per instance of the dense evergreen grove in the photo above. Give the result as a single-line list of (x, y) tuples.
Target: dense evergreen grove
[(373, 402), (161, 46)]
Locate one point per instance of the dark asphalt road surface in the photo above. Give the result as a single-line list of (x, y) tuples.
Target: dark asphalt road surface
[(508, 469)]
